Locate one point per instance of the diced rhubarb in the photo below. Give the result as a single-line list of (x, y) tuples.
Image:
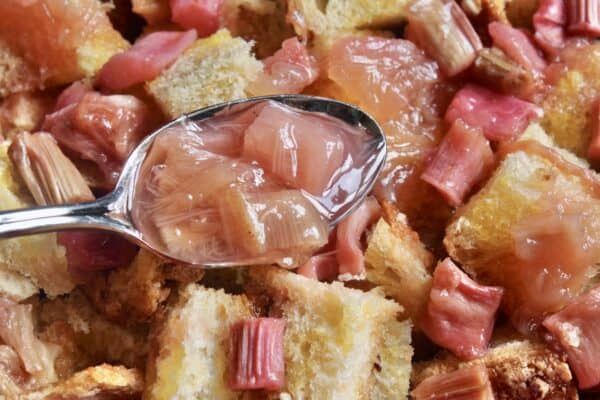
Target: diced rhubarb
[(321, 267), (471, 383), (303, 151), (443, 30), (493, 69), (462, 160), (517, 45), (144, 61), (263, 224), (593, 150), (101, 129), (202, 15), (350, 231), (18, 331), (502, 118), (72, 95), (257, 358), (289, 70), (584, 17), (577, 329), (460, 313), (549, 22), (48, 174), (89, 250)]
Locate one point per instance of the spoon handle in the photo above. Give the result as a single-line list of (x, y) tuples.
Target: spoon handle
[(91, 215)]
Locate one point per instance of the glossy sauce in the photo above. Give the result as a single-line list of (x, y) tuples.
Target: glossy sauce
[(257, 183)]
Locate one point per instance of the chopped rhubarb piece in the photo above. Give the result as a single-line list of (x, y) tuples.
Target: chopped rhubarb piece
[(48, 174), (202, 15), (257, 359), (101, 129), (549, 22), (462, 160), (303, 151), (144, 61), (72, 95), (495, 70), (321, 267), (96, 250), (282, 222), (593, 151), (349, 234), (577, 329), (501, 117), (470, 383), (584, 17), (460, 313), (517, 45), (442, 29), (289, 70)]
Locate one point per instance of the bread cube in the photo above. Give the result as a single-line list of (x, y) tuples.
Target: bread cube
[(52, 42), (213, 70), (190, 355), (335, 336), (397, 261)]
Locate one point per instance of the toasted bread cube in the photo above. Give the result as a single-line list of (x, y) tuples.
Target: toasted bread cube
[(55, 41), (334, 15), (334, 335), (23, 111), (102, 381), (568, 116), (391, 377), (527, 183), (37, 257), (189, 359), (213, 70), (134, 293), (518, 369), (397, 261)]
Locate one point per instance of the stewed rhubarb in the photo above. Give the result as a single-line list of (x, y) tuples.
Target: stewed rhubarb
[(258, 183)]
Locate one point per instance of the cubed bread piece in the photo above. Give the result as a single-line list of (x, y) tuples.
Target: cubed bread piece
[(37, 257), (155, 12), (397, 261), (391, 376), (320, 17), (23, 111), (55, 41), (213, 70), (133, 294), (518, 369), (99, 382), (87, 338), (532, 181), (569, 105), (333, 336), (190, 353)]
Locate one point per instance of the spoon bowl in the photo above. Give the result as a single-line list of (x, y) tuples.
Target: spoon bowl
[(113, 212)]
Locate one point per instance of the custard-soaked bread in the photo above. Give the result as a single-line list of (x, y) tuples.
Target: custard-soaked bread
[(343, 15), (133, 294), (190, 350), (23, 111), (99, 382), (52, 42), (213, 70), (28, 262), (339, 343), (518, 369), (397, 261)]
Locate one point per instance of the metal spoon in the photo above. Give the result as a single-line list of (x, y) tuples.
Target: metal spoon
[(113, 211)]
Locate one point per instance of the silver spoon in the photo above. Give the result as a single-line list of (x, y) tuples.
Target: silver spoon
[(113, 211)]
